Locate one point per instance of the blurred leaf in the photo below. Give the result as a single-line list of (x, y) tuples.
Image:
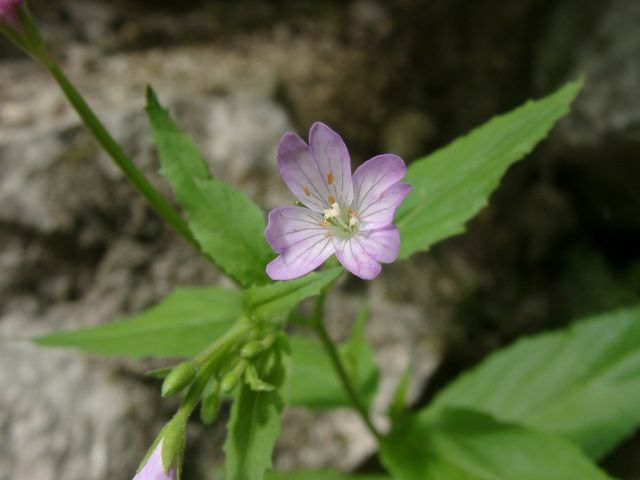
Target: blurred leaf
[(451, 185), (181, 325), (276, 299), (399, 400), (321, 475), (254, 425), (359, 359), (314, 383), (227, 225), (465, 445), (582, 382)]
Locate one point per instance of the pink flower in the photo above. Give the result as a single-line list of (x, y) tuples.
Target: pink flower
[(153, 469), (349, 216), (8, 10)]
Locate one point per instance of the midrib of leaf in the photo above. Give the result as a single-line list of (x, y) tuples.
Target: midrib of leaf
[(592, 379), (465, 467), (211, 212), (246, 438), (278, 296)]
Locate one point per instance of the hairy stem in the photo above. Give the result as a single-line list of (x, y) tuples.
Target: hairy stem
[(107, 142), (338, 365)]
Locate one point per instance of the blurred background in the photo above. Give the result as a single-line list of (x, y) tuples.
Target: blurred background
[(78, 246)]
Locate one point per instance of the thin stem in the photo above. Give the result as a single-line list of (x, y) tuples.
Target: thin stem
[(345, 379), (155, 199)]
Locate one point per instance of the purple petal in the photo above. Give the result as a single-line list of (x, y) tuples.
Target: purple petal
[(382, 244), (332, 157), (353, 256), (153, 469), (320, 174), (8, 11), (374, 177), (300, 172), (289, 225), (301, 257), (380, 213)]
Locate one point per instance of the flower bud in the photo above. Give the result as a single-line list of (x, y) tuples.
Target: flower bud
[(210, 408), (229, 382), (8, 11), (154, 469), (19, 27), (252, 349), (180, 377)]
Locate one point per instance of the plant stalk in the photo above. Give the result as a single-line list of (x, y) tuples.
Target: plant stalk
[(107, 142), (336, 360)]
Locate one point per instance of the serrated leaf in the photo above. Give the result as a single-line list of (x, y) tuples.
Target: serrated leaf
[(466, 445), (228, 226), (314, 383), (321, 475), (183, 323), (277, 299), (582, 383), (254, 425), (451, 185)]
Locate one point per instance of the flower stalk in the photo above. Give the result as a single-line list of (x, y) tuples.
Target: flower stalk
[(347, 383), (115, 151)]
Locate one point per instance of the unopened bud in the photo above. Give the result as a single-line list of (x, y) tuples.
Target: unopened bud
[(210, 408), (180, 377), (8, 11), (173, 442), (252, 349), (229, 382)]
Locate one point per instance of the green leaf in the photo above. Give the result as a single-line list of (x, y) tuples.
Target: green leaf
[(254, 425), (314, 383), (582, 383), (466, 445), (359, 359), (399, 400), (277, 299), (321, 475), (454, 183), (227, 225), (181, 325)]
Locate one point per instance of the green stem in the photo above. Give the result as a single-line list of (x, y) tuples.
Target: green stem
[(157, 201), (208, 360), (345, 378)]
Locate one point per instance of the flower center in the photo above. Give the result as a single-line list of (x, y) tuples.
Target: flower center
[(344, 223)]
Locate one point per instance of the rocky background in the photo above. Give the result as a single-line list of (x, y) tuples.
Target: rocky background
[(80, 247)]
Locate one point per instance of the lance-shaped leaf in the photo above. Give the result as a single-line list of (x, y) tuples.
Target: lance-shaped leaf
[(465, 445), (228, 226), (181, 325), (582, 383), (270, 301), (454, 183), (321, 475), (254, 425)]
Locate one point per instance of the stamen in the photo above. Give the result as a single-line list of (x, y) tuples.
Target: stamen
[(324, 224), (306, 191), (352, 213), (353, 221), (331, 199), (333, 212), (330, 179), (328, 234)]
